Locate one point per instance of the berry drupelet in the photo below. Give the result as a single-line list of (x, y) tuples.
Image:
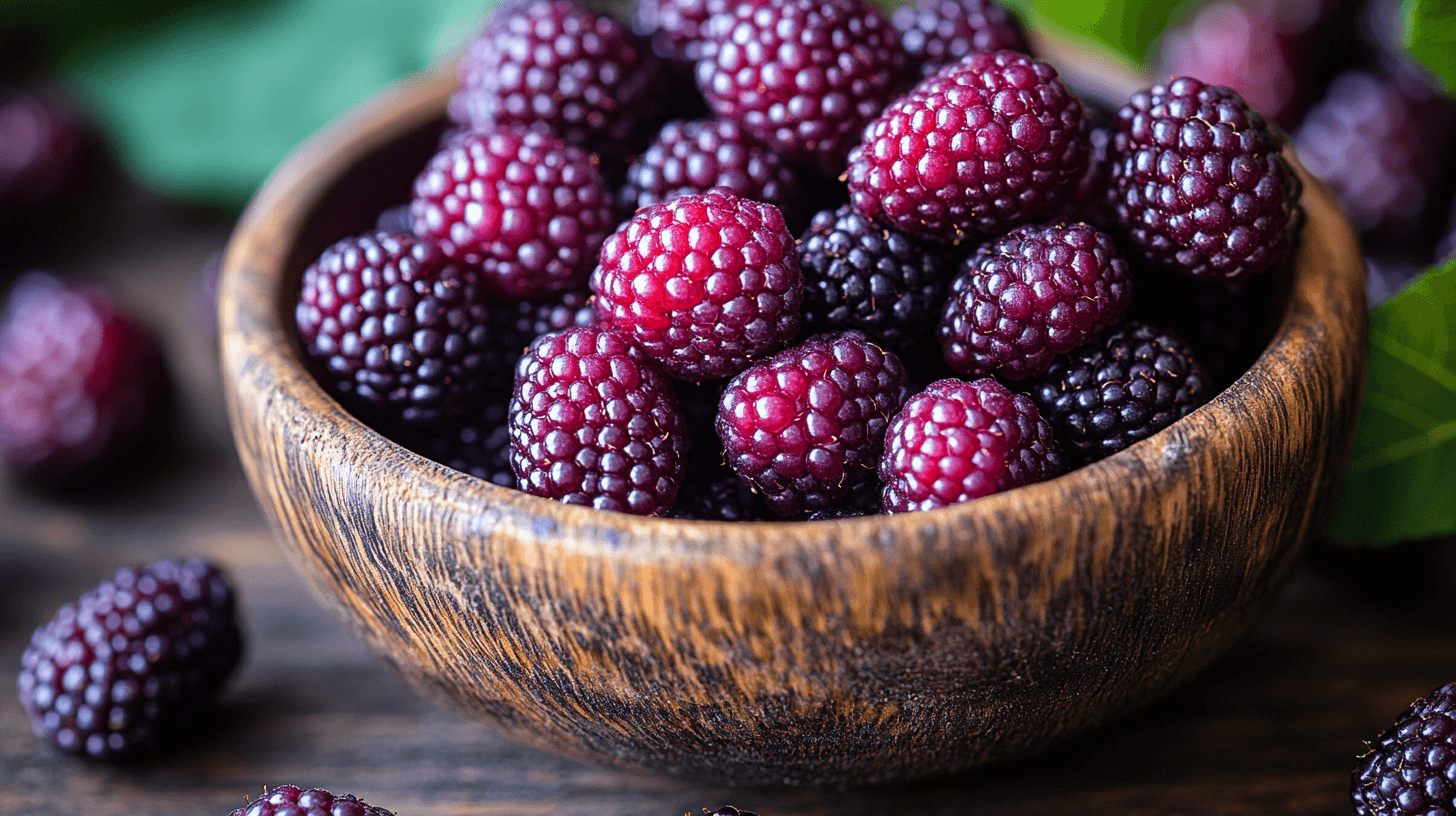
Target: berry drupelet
[(129, 664), (593, 421), (863, 276), (288, 800), (396, 331), (695, 157), (1124, 386), (957, 441), (560, 68), (981, 146), (675, 27), (526, 208), (1411, 768), (705, 284), (936, 33), (1201, 187), (1035, 292), (802, 76), (84, 393), (806, 426)]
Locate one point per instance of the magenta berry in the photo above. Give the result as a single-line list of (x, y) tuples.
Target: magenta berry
[(1201, 188), (289, 800), (936, 33), (84, 392), (131, 664), (695, 157), (985, 144), (957, 441), (395, 330), (802, 76), (1036, 292), (806, 426), (526, 208), (560, 68), (593, 421), (705, 284)]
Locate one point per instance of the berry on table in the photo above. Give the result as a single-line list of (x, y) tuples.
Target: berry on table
[(807, 425), (956, 441), (84, 391), (871, 278), (936, 33), (288, 800), (1201, 187), (705, 284), (526, 208), (133, 661), (1035, 292), (695, 157), (558, 67), (1122, 387), (593, 421), (801, 76), (398, 332), (1411, 768), (981, 146)]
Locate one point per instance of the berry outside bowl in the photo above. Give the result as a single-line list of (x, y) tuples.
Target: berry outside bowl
[(845, 652)]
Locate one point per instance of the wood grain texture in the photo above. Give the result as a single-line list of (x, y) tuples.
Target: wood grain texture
[(828, 653)]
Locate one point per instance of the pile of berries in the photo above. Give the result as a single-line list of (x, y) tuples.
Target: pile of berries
[(595, 302)]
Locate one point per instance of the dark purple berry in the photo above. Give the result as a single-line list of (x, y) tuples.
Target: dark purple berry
[(705, 284), (1202, 189), (985, 144), (288, 800), (956, 441), (526, 208), (675, 27), (1411, 768), (132, 662), (1228, 325), (936, 33), (806, 425), (593, 421), (479, 445), (718, 494), (875, 279), (1036, 292), (396, 331), (695, 157), (1122, 387)]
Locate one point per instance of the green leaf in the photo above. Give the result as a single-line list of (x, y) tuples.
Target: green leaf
[(1402, 478), (1430, 35), (1129, 27), (204, 102)]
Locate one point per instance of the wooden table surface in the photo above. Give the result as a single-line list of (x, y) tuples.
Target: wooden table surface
[(1272, 728)]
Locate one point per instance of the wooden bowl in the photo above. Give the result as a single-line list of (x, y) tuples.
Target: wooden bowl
[(837, 653)]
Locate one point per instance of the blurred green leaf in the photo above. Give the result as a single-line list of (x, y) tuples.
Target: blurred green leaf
[(1430, 35), (1402, 477), (1129, 27), (204, 101)]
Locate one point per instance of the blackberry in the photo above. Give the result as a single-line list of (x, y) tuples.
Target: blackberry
[(514, 325), (1035, 292), (480, 446), (956, 441), (718, 494), (1227, 325), (705, 284), (1201, 187), (806, 425), (528, 209), (874, 279), (981, 146), (132, 662), (1090, 197), (288, 800), (675, 27), (863, 500), (936, 33), (85, 398), (395, 330), (593, 421), (695, 157), (1382, 151), (802, 76), (1120, 388), (557, 67), (1411, 768)]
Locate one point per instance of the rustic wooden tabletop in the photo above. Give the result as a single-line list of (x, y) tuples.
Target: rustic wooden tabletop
[(1272, 728)]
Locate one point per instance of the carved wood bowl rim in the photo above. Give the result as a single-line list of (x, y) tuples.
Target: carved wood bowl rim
[(266, 382)]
